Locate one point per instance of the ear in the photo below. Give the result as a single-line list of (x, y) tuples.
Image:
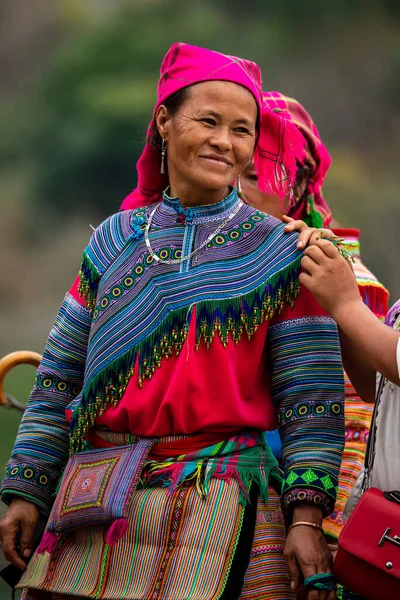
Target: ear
[(163, 121)]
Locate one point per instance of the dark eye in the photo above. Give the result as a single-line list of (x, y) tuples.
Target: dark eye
[(209, 121), (242, 130), (252, 176)]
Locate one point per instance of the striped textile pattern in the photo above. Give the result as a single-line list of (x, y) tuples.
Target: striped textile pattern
[(267, 575), (97, 486), (307, 387), (178, 545), (143, 309), (41, 448), (138, 311)]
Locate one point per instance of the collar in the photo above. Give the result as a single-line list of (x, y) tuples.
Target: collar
[(203, 213)]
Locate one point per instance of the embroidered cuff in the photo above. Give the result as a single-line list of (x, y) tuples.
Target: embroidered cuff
[(309, 485), (31, 482)]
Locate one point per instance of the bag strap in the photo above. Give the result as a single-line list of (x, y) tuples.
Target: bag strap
[(370, 451)]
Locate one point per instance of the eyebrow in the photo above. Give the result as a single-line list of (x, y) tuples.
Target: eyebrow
[(241, 120)]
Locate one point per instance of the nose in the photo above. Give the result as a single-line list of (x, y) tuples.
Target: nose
[(221, 139)]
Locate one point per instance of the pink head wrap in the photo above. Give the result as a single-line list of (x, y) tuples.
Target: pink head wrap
[(185, 65), (316, 156)]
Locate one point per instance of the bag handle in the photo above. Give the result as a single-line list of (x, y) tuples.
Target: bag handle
[(370, 451)]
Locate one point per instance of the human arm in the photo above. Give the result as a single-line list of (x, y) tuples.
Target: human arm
[(43, 443), (308, 389), (369, 344), (41, 447)]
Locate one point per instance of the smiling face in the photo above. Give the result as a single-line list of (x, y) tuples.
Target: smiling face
[(210, 139)]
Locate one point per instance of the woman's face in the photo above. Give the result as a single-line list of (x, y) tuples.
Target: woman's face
[(273, 205), (211, 138)]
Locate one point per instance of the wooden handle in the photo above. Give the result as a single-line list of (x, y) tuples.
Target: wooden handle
[(8, 362)]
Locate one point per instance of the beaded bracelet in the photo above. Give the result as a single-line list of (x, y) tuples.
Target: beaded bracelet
[(321, 581)]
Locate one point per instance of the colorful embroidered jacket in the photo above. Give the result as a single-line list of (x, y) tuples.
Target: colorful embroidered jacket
[(222, 342)]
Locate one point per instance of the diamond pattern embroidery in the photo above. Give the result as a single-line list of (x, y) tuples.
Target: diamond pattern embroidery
[(291, 478), (309, 476), (88, 485), (327, 482), (97, 485)]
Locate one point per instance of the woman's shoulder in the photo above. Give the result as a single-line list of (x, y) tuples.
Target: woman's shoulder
[(272, 228), (111, 236)]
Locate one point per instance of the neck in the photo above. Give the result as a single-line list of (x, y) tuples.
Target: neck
[(190, 196)]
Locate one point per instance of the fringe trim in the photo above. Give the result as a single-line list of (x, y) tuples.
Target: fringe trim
[(89, 278), (233, 318), (173, 475)]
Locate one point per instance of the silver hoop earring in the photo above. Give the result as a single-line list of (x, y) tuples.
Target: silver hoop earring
[(163, 155)]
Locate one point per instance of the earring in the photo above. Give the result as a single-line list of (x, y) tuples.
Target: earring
[(238, 186), (163, 155)]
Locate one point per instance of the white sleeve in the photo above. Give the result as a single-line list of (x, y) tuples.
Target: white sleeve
[(398, 356)]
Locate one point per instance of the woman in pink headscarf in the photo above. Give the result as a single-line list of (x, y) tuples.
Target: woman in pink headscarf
[(164, 367), (308, 204), (306, 201)]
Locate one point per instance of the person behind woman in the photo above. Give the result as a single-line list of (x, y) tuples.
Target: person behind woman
[(308, 204), (369, 347), (175, 348)]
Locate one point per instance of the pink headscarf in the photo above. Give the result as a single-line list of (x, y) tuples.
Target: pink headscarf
[(185, 65), (316, 155)]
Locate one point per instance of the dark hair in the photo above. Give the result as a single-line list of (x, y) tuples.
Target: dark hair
[(172, 104), (304, 170)]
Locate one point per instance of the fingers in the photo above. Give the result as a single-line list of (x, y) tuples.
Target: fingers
[(28, 527), (294, 572), (316, 254), (307, 571), (309, 265), (306, 280), (294, 225), (9, 542), (305, 231), (305, 238), (328, 248), (314, 595)]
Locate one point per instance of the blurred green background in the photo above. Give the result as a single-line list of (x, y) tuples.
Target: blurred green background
[(77, 87)]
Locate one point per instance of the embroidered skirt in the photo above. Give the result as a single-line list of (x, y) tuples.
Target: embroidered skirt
[(179, 546)]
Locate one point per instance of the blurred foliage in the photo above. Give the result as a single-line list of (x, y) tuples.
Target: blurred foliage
[(83, 129)]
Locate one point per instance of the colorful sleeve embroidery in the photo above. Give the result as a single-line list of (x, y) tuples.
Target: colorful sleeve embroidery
[(308, 389)]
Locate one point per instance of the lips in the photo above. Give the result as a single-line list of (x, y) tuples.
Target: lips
[(217, 159)]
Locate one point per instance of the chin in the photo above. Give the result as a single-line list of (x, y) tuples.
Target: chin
[(213, 182)]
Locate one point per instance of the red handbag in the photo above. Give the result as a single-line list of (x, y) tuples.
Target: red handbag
[(368, 558)]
